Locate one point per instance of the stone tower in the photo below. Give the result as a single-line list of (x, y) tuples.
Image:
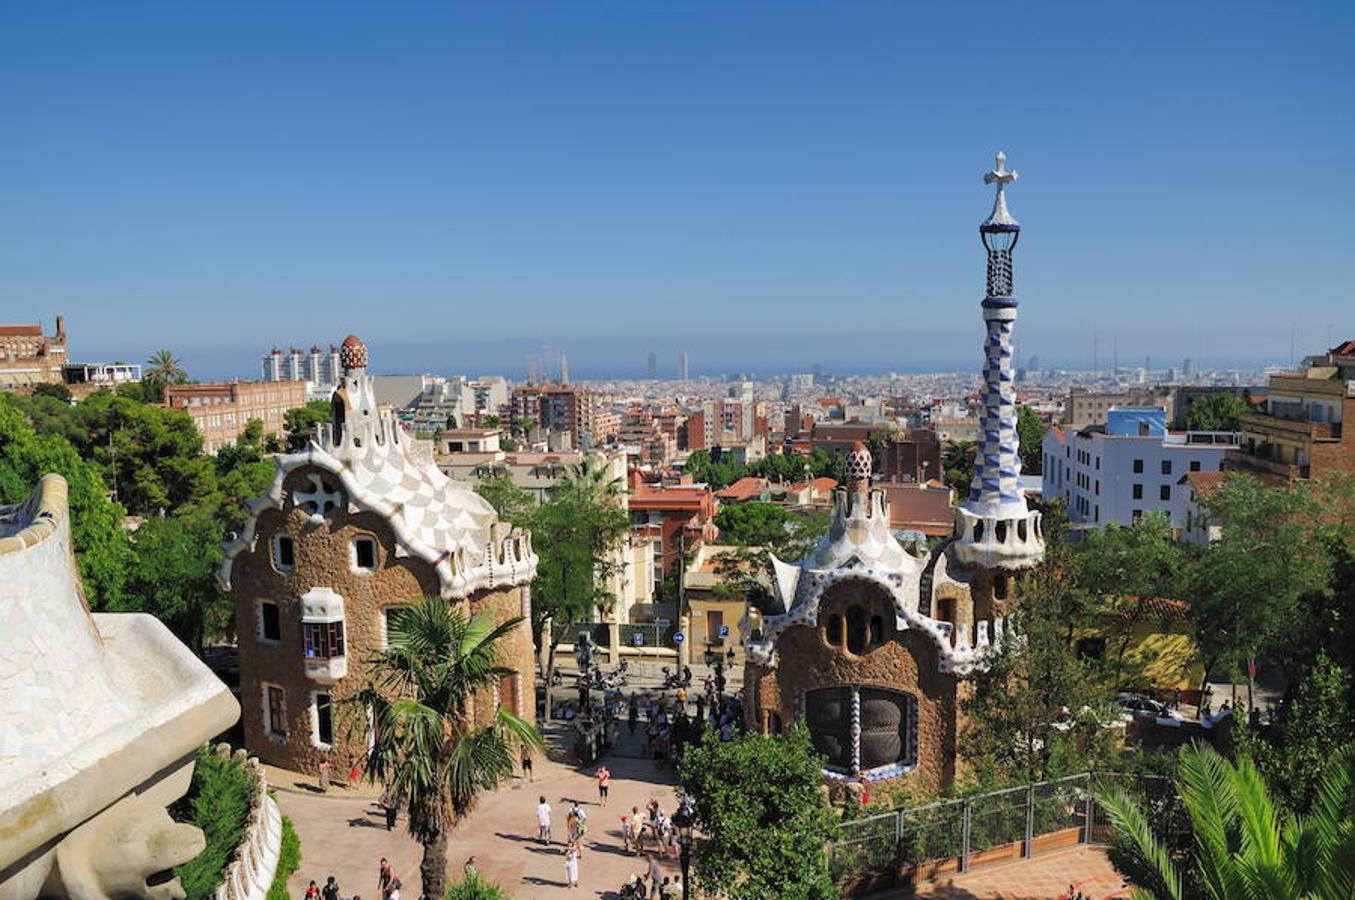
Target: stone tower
[(994, 528)]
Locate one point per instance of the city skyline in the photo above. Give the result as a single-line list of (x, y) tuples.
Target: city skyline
[(481, 172)]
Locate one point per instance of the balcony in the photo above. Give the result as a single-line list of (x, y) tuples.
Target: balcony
[(322, 630), (1267, 469), (1262, 426)]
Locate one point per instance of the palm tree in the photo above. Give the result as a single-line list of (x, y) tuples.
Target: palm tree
[(165, 367), (1245, 847), (427, 748), (957, 462)]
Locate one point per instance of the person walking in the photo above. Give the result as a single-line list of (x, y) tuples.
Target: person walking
[(572, 864), (385, 878), (543, 821), (637, 831), (633, 714), (313, 892), (604, 776), (527, 763), (331, 889), (655, 873)]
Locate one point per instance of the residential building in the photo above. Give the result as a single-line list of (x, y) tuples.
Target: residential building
[(1301, 433), (675, 519), (354, 529), (29, 358), (912, 456), (1085, 407), (222, 409), (563, 408), (745, 490), (318, 366), (1130, 466), (1195, 489), (716, 618)]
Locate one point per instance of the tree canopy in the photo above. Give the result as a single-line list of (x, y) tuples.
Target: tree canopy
[(1217, 412), (762, 816), (1030, 431), (772, 526)]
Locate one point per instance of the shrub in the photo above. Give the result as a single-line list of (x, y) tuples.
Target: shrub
[(289, 860), (475, 887), (218, 803)]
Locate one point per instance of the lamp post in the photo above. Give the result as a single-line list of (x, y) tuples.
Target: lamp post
[(684, 820)]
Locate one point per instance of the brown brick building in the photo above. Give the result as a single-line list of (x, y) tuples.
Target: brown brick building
[(557, 407), (1302, 433), (354, 528), (29, 358), (222, 409)]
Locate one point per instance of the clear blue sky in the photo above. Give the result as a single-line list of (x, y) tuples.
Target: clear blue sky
[(218, 177)]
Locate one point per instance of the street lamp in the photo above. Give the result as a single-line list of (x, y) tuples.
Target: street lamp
[(684, 820)]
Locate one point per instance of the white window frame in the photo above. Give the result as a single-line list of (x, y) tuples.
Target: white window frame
[(258, 621), (353, 554), (316, 741), (268, 730), (276, 549)]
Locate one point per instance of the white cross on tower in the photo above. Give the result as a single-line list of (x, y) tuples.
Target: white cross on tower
[(1001, 177)]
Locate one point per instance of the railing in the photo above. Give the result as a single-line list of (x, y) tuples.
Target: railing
[(925, 842), (250, 872)]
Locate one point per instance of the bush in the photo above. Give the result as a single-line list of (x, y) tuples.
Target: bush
[(475, 887), (218, 803), (289, 860)]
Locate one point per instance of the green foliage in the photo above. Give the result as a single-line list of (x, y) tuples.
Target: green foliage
[(762, 816), (574, 534), (782, 468), (511, 502), (289, 860), (298, 424), (782, 531), (218, 803), (1217, 412), (101, 546), (1030, 430), (55, 391), (1244, 845), (957, 464), (163, 368), (173, 578), (1315, 722), (475, 887), (428, 749)]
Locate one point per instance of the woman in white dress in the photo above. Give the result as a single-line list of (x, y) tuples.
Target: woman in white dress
[(572, 864)]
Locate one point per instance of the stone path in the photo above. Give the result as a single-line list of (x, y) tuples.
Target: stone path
[(1086, 869), (346, 836)]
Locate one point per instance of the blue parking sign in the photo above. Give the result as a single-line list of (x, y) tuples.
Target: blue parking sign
[(724, 632), (638, 639)]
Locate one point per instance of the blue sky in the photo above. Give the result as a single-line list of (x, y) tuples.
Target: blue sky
[(798, 182)]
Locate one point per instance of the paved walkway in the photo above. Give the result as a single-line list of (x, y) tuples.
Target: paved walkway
[(1085, 869), (345, 835)]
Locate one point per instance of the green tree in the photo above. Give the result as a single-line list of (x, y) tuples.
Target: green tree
[(772, 526), (55, 391), (475, 887), (762, 816), (163, 368), (511, 502), (1315, 721), (174, 576), (1217, 412), (1030, 431), (427, 747), (575, 535), (298, 424), (1244, 845), (101, 547), (957, 462), (1251, 591)]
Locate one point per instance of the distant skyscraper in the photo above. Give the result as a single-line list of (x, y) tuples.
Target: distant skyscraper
[(682, 373), (653, 366), (564, 369), (1187, 368), (1033, 364)]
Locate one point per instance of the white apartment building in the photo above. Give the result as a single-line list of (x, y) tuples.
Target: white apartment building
[(1128, 467)]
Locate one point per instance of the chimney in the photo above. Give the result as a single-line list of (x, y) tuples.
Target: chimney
[(60, 327)]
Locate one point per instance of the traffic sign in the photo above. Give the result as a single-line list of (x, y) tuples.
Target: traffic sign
[(724, 632), (638, 639), (679, 637)]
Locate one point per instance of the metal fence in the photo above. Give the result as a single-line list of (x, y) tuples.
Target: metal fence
[(960, 835), (648, 635)]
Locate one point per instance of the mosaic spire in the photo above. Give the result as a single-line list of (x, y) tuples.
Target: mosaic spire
[(993, 524)]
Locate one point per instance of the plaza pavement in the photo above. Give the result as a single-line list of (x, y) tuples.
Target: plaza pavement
[(344, 834)]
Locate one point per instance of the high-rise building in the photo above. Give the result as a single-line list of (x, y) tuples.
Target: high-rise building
[(557, 407), (653, 371), (682, 371), (316, 366)]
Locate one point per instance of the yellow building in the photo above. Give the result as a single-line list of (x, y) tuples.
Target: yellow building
[(1152, 643), (718, 615)]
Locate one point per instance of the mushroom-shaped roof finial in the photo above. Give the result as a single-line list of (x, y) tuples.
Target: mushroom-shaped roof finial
[(353, 353), (857, 468)]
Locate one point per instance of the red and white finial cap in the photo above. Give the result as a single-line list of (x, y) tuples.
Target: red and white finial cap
[(857, 468), (353, 353)]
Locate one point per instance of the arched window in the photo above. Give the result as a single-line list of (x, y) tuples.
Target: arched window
[(1001, 586), (877, 630), (856, 629), (833, 630), (886, 739)]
